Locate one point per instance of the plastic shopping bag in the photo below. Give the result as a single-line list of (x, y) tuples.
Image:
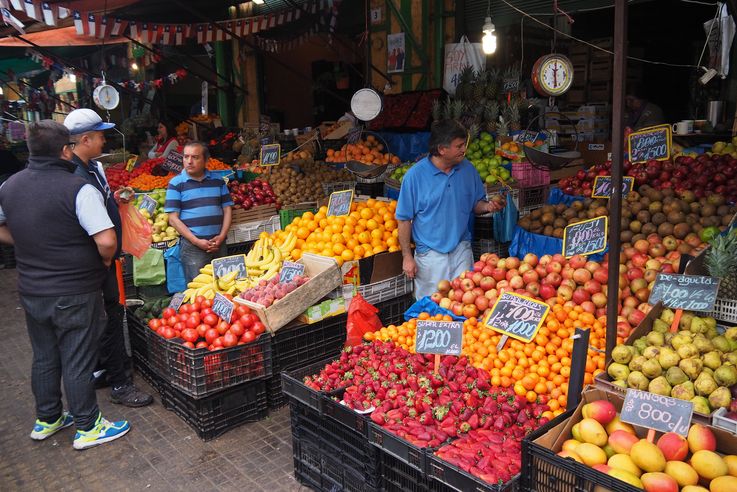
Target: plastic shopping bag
[(457, 57), (149, 269), (175, 280), (362, 319), (136, 230), (505, 221)]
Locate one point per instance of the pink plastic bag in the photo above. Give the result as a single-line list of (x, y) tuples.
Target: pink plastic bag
[(362, 318), (136, 230)]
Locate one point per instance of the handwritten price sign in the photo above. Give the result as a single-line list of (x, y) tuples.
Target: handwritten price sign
[(223, 307), (517, 316), (662, 413), (439, 337), (650, 143), (270, 154), (340, 203), (223, 266), (603, 186), (691, 292), (585, 238)]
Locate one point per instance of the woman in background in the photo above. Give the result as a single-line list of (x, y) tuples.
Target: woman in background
[(165, 141)]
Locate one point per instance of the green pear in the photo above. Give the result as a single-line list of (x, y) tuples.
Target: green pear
[(667, 316), (660, 326), (668, 358), (726, 375), (637, 362), (685, 323), (652, 368), (701, 405), (659, 386), (712, 359), (705, 384), (691, 367), (656, 339), (720, 398), (675, 375), (637, 380), (698, 325), (721, 343), (683, 391), (622, 354), (618, 371)]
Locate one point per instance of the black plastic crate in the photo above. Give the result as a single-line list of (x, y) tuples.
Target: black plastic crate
[(399, 476), (481, 246), (293, 386), (238, 248), (533, 197), (483, 227), (409, 454), (370, 189), (354, 421), (277, 398), (391, 312), (218, 413), (297, 343), (456, 479), (7, 254)]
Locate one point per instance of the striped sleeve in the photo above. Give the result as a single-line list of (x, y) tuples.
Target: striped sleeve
[(173, 201), (227, 200)]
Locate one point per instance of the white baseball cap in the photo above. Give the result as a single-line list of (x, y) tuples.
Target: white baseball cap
[(85, 120)]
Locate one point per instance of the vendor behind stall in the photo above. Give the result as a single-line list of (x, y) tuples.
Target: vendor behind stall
[(640, 112), (165, 141)]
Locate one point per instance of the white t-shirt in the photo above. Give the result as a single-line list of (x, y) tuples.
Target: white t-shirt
[(90, 210)]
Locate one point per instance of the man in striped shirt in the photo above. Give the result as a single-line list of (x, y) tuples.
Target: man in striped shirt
[(199, 208)]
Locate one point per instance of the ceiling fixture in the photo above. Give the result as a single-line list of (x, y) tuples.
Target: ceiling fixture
[(258, 2), (488, 41), (134, 66)]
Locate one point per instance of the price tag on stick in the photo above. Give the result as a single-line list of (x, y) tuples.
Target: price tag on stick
[(585, 238), (340, 203), (222, 306), (650, 143), (603, 186), (690, 292), (657, 412), (131, 162), (176, 301), (270, 154), (289, 270), (439, 338), (148, 204), (517, 316), (223, 266)]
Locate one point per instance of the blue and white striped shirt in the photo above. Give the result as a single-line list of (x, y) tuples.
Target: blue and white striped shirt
[(199, 203)]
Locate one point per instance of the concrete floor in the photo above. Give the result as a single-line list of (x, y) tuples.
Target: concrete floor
[(161, 452)]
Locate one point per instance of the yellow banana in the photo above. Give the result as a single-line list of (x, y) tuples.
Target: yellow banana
[(210, 294), (187, 295), (202, 278), (229, 277), (196, 285), (266, 259), (207, 269), (271, 272), (231, 290)]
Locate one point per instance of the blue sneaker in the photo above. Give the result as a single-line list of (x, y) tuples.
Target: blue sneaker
[(102, 432), (42, 430)]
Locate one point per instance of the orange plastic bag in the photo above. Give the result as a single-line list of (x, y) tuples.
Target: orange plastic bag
[(136, 230), (362, 319)]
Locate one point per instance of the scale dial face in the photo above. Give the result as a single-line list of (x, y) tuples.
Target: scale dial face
[(552, 75), (106, 97)]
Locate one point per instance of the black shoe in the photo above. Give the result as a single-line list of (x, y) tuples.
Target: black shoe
[(130, 396), (101, 380)]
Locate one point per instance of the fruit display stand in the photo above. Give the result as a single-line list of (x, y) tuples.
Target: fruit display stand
[(324, 276)]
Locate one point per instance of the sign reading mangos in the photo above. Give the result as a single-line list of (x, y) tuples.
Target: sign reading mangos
[(690, 292), (586, 237), (517, 316), (662, 413)]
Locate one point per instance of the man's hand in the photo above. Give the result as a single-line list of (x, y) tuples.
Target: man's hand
[(203, 244), (496, 204), (409, 266), (123, 195), (215, 244)]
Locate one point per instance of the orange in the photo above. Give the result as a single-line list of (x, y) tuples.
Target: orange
[(366, 213), (347, 254), (371, 225), (364, 237), (338, 248)]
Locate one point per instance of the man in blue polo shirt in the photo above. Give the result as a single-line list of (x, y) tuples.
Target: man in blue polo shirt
[(199, 208), (437, 198)]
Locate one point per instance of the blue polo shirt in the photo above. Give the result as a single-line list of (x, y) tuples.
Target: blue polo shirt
[(439, 205), (199, 203)]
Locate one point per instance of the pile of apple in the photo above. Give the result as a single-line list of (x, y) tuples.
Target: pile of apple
[(605, 443), (582, 182), (248, 195), (267, 292)]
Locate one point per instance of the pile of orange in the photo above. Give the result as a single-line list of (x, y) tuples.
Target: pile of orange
[(369, 229), (217, 165), (541, 367), (369, 151), (148, 182)]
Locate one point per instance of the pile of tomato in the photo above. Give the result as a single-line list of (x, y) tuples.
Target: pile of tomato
[(197, 326)]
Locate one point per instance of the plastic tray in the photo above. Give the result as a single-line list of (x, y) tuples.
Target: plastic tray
[(405, 451), (289, 213), (398, 476), (720, 420), (218, 413), (724, 310), (386, 290), (293, 386), (481, 246), (351, 419), (238, 248), (250, 231), (460, 480), (531, 198)]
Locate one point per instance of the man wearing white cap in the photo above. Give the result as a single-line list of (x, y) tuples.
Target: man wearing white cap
[(87, 135)]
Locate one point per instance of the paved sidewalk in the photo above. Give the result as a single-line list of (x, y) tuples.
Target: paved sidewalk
[(161, 452)]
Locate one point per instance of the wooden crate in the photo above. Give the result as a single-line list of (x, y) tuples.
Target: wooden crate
[(600, 70), (325, 277), (259, 212), (600, 92)]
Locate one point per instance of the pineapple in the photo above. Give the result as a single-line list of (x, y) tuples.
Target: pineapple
[(479, 87), (456, 109), (464, 88), (502, 128), (491, 115), (436, 110), (448, 109), (721, 262), (492, 84), (513, 116), (473, 131)]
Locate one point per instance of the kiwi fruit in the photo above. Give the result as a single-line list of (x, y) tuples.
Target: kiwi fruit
[(637, 237), (626, 236), (599, 211), (668, 192), (658, 218), (665, 229), (559, 222), (655, 207), (723, 210), (676, 217), (635, 226), (681, 230), (558, 232), (643, 216), (708, 210), (648, 228), (547, 218), (548, 230)]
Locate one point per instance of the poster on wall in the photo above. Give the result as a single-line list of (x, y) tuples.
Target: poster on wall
[(395, 52)]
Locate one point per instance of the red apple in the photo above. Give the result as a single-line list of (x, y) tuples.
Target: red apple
[(444, 286), (531, 259), (599, 300), (548, 291), (565, 292), (581, 276), (577, 261), (487, 283), (516, 282), (530, 276)]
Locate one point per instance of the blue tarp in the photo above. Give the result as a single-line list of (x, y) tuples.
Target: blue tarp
[(425, 305), (407, 146), (525, 242), (556, 196)]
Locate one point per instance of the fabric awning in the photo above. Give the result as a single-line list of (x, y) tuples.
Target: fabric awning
[(64, 36)]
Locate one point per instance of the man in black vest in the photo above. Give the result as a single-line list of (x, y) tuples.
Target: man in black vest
[(86, 129), (64, 245)]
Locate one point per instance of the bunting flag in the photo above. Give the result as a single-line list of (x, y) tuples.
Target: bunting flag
[(91, 25), (32, 10), (118, 27), (178, 37), (17, 5), (154, 34), (49, 14), (102, 28), (165, 35), (10, 20), (63, 12), (78, 23), (209, 34), (200, 34), (134, 29), (144, 32)]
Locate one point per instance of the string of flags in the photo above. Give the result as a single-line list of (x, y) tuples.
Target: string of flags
[(100, 26)]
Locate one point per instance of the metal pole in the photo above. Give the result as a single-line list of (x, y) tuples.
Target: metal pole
[(438, 18), (615, 203)]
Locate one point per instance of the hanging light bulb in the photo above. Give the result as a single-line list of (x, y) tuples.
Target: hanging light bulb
[(72, 78), (488, 42), (134, 66)]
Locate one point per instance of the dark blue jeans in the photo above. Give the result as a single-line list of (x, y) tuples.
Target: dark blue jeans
[(65, 332), (193, 258), (113, 357)]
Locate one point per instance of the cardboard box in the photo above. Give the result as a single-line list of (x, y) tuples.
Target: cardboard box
[(325, 309), (594, 153)]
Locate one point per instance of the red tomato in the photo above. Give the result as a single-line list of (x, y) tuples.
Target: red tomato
[(210, 335), (190, 335), (182, 317), (188, 345), (218, 342), (185, 309), (222, 327), (199, 299), (246, 321), (241, 310), (206, 311), (201, 344), (254, 318), (248, 336), (179, 326), (233, 317), (210, 319), (172, 320), (195, 307), (169, 333), (154, 324), (202, 329), (237, 329), (168, 313), (193, 320), (160, 331), (229, 340), (258, 328), (206, 303)]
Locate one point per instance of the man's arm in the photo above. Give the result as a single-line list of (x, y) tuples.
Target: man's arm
[(405, 242), (184, 231), (5, 236), (484, 207), (107, 243)]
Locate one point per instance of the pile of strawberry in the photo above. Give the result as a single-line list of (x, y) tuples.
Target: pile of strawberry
[(427, 409)]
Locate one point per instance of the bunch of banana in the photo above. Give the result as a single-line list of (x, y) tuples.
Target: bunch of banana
[(206, 285), (287, 245), (263, 261)]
